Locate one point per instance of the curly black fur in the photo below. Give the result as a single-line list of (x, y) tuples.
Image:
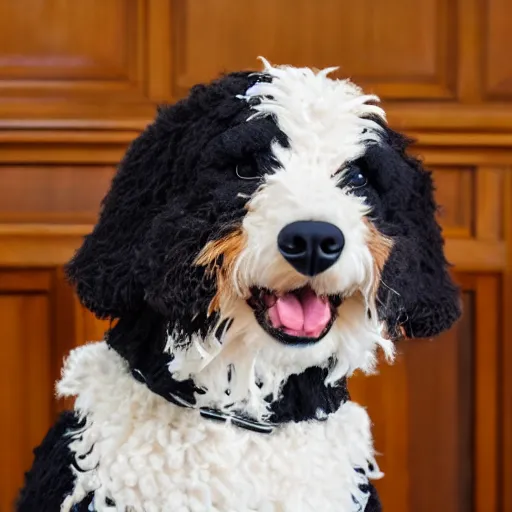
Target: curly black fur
[(373, 504), (175, 190), (416, 290), (51, 479), (305, 394)]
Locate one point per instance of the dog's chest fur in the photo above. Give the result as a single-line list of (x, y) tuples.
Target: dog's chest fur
[(146, 454)]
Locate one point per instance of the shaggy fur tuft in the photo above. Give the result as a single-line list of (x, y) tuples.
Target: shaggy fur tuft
[(220, 257)]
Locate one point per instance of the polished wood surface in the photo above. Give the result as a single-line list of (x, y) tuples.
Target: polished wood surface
[(422, 409), (79, 80), (330, 32), (25, 381), (505, 440), (436, 412)]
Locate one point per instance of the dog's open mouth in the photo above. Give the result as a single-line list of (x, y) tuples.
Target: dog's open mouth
[(296, 317)]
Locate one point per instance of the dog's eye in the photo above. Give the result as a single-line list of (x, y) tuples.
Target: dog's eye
[(357, 179), (353, 177), (248, 171)]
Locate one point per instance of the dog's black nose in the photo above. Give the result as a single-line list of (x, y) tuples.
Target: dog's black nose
[(311, 247)]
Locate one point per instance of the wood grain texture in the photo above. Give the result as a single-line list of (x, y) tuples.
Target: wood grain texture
[(489, 203), (55, 44), (47, 48), (440, 390), (331, 33), (496, 42), (469, 54), (486, 375), (506, 356), (386, 396), (39, 245), (454, 194), (53, 65), (421, 410), (56, 194), (25, 386)]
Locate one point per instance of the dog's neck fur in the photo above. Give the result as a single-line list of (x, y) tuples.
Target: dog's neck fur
[(141, 342), (136, 451)]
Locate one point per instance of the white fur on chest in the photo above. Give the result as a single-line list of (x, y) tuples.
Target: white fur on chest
[(149, 455)]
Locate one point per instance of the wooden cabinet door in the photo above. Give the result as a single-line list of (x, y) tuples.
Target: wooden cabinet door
[(434, 412), (26, 389)]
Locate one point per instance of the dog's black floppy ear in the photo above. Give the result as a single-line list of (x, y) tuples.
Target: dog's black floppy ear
[(113, 272), (103, 270), (417, 297)]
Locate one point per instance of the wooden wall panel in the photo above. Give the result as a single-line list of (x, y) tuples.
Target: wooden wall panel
[(497, 39), (358, 36), (25, 386), (70, 61), (421, 408), (55, 42), (490, 199), (455, 195), (386, 396), (471, 213), (57, 194), (505, 383), (83, 63), (486, 475)]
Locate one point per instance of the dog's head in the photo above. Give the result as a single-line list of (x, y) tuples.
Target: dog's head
[(274, 213)]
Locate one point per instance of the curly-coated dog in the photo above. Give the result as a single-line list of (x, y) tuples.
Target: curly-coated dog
[(261, 240)]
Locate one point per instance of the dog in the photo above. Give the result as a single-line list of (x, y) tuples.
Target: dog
[(262, 239)]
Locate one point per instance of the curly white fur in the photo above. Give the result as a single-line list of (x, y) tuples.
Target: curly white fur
[(253, 357), (149, 455)]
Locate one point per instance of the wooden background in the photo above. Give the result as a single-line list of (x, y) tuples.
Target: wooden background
[(80, 79)]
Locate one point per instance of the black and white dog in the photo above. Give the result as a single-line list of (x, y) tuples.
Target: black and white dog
[(260, 241)]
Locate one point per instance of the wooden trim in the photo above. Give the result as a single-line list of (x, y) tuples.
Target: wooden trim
[(469, 50), (48, 218), (506, 353), (34, 245), (160, 51), (72, 137), (61, 153), (76, 123), (24, 281), (470, 156), (44, 230), (461, 139), (63, 330), (489, 197), (476, 255), (448, 116), (103, 135), (486, 394), (54, 244), (457, 232)]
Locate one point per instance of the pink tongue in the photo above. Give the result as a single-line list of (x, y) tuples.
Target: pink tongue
[(290, 312), (305, 316), (316, 313)]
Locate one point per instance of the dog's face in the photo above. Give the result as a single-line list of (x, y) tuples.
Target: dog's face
[(274, 213)]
